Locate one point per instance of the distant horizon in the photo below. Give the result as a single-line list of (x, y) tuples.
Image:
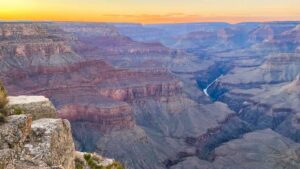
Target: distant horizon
[(159, 23), (151, 11)]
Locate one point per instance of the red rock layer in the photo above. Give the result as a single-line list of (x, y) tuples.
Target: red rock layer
[(115, 46), (39, 60), (101, 119), (24, 45), (93, 92), (148, 90)]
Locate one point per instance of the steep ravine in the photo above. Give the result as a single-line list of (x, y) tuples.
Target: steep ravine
[(231, 128), (252, 107), (205, 145), (207, 77)]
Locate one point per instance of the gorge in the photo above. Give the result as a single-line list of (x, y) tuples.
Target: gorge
[(166, 96)]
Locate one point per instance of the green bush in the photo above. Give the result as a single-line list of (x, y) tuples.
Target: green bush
[(17, 111), (115, 165), (92, 163), (87, 157), (79, 164)]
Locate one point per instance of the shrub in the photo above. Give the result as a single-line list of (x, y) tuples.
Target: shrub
[(17, 110), (93, 164), (79, 164), (87, 157), (115, 165)]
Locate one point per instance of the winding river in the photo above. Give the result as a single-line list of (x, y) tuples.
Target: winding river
[(208, 86)]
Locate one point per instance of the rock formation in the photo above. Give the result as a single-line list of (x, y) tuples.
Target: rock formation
[(37, 106), (33, 44), (43, 143)]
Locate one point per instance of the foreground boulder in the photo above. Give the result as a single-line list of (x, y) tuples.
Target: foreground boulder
[(51, 142), (12, 136), (45, 143)]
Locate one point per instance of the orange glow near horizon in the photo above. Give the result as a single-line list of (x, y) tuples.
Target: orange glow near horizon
[(150, 11)]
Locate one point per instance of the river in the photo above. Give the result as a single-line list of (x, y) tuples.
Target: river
[(205, 90)]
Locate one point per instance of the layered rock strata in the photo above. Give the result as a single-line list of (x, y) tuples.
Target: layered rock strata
[(33, 44)]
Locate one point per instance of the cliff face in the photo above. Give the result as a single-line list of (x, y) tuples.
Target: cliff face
[(103, 41), (44, 55), (36, 144), (31, 44), (94, 92), (280, 105), (108, 41), (99, 118), (87, 92), (42, 144)]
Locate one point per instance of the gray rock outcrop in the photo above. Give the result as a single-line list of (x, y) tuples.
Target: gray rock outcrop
[(37, 106), (12, 136), (50, 142), (45, 143)]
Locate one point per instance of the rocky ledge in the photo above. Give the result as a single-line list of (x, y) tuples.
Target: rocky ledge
[(37, 106), (44, 143)]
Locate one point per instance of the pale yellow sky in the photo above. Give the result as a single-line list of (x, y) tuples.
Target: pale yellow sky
[(150, 11)]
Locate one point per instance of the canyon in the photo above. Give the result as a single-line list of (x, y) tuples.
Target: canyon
[(194, 95)]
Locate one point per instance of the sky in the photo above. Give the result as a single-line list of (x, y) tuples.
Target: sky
[(150, 11)]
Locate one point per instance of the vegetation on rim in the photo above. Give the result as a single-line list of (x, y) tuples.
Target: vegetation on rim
[(93, 163)]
